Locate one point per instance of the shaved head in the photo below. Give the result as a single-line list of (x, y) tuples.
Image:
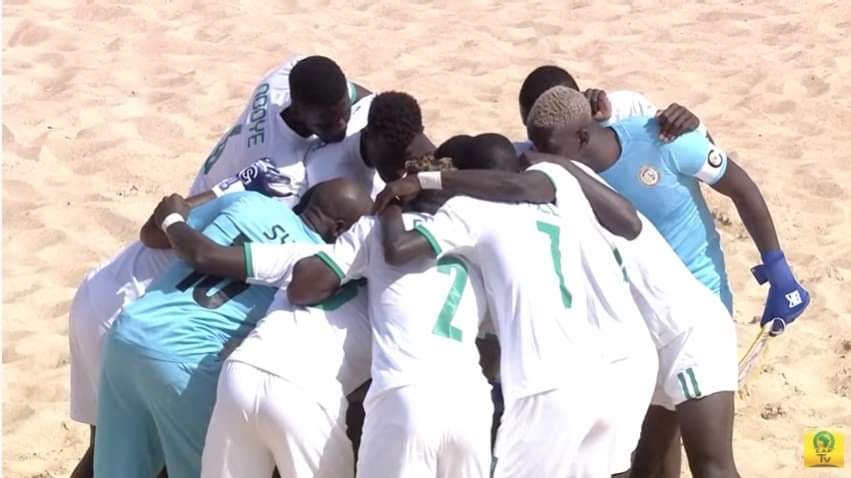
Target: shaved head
[(334, 206)]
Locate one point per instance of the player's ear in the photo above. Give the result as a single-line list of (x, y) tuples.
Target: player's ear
[(583, 137), (340, 226)]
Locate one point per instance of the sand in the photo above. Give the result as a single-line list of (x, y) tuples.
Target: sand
[(108, 105)]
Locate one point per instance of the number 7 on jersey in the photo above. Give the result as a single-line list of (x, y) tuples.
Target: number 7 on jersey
[(554, 233)]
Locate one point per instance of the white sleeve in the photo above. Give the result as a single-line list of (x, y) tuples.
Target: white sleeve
[(272, 264), (455, 228), (628, 104), (224, 161), (349, 256)]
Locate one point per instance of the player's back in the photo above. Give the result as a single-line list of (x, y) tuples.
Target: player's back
[(610, 304), (670, 298), (186, 315), (424, 316), (325, 349), (324, 162), (646, 173), (529, 265)]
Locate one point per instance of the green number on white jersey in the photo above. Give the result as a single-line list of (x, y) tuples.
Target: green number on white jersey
[(220, 148), (443, 327), (619, 260), (554, 233)]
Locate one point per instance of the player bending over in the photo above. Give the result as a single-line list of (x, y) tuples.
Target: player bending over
[(428, 409), (119, 282), (161, 360), (693, 332), (314, 95), (300, 102), (543, 324), (628, 347)]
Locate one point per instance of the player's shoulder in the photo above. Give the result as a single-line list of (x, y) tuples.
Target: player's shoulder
[(628, 96), (363, 227), (467, 205), (253, 203), (639, 129)]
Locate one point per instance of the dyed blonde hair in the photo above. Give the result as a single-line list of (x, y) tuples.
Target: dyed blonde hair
[(560, 107)]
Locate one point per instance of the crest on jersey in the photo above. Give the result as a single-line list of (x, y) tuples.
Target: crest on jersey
[(715, 158), (649, 176)]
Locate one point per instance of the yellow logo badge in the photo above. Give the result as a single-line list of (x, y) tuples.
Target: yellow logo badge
[(824, 447)]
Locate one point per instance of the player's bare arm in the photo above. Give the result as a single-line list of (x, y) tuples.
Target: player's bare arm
[(613, 211), (401, 246), (738, 186), (152, 236), (313, 281), (261, 176), (203, 254)]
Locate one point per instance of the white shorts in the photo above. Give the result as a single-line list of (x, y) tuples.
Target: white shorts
[(634, 380), (420, 431), (86, 331), (261, 421), (698, 363), (559, 433)]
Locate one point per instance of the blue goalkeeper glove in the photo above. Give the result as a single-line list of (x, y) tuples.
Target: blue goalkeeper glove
[(261, 176), (786, 298)]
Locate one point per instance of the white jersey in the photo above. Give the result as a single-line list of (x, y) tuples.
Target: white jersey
[(424, 316), (625, 104), (260, 132), (531, 273), (610, 303), (668, 295), (128, 274), (341, 160), (325, 350)]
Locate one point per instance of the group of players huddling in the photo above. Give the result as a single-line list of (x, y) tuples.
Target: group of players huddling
[(551, 308)]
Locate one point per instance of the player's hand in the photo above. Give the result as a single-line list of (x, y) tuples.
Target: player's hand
[(261, 176), (168, 205), (675, 121), (402, 190), (601, 107), (787, 299)]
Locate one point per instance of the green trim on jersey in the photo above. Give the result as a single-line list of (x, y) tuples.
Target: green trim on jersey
[(246, 256), (353, 92), (435, 246), (331, 264)]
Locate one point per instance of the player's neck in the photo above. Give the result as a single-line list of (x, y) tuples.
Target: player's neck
[(293, 123), (603, 149)]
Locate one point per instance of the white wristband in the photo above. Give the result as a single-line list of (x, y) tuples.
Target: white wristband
[(430, 180), (228, 186), (171, 219)]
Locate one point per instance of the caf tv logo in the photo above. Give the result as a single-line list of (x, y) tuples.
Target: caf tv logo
[(824, 448)]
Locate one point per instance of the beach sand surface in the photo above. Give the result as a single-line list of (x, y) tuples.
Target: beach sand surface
[(109, 105)]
